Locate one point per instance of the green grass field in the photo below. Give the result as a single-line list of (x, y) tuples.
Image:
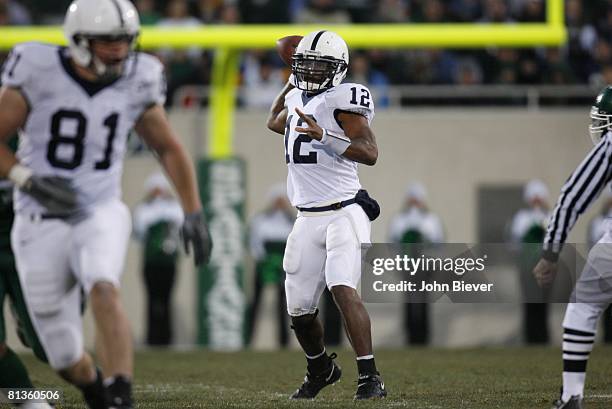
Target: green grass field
[(512, 378)]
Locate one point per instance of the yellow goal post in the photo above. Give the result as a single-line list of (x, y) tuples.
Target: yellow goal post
[(229, 40)]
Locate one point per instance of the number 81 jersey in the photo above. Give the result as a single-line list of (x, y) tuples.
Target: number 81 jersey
[(316, 174), (75, 128)]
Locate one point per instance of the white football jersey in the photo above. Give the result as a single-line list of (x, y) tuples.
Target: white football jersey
[(75, 128), (317, 175)]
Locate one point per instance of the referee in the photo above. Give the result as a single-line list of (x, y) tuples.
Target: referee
[(591, 294)]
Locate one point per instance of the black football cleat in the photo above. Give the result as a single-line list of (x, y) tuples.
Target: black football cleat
[(94, 393), (314, 383), (575, 402), (120, 394), (370, 387)]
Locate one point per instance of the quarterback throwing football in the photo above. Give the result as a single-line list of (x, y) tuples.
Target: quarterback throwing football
[(75, 107), (327, 132)]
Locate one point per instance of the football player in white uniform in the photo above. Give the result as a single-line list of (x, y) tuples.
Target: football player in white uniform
[(74, 108), (327, 132)]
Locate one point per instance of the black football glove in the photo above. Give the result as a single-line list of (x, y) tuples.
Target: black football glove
[(55, 193), (195, 232)]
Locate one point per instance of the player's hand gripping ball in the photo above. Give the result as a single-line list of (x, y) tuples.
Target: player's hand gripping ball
[(286, 47)]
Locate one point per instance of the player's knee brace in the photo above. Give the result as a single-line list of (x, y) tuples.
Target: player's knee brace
[(63, 344), (303, 323), (300, 306)]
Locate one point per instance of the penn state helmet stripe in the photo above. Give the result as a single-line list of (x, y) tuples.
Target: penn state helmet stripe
[(316, 40), (118, 7)]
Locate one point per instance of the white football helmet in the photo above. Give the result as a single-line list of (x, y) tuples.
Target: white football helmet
[(320, 61), (108, 20)]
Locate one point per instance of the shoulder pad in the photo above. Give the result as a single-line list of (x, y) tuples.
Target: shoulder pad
[(351, 97), (26, 62), (151, 78)]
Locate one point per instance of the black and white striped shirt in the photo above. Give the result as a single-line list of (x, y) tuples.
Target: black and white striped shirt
[(579, 191)]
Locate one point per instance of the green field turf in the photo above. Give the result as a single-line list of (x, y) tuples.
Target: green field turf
[(417, 378)]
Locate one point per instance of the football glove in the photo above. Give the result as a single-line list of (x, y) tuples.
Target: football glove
[(195, 234), (55, 193)]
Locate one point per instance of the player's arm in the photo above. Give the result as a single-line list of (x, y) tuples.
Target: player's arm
[(13, 115), (358, 142), (154, 128), (54, 193), (278, 111), (579, 192), (363, 148)]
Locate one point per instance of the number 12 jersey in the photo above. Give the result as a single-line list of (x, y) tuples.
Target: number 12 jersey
[(316, 174)]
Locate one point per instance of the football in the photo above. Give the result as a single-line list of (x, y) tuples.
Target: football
[(286, 47)]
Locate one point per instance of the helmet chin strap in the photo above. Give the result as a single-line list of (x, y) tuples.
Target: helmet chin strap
[(316, 87), (98, 66), (104, 72)]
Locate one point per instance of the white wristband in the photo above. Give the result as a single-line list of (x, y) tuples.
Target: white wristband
[(337, 143), (19, 175)]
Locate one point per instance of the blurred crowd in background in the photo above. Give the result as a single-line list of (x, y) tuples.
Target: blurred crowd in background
[(586, 59)]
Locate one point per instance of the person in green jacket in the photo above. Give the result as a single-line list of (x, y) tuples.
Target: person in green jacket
[(527, 230), (157, 221)]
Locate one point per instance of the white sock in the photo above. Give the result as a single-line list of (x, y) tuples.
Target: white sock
[(577, 346), (573, 384)]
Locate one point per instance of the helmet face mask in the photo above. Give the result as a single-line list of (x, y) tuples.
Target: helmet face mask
[(600, 123), (109, 65), (320, 61), (98, 24), (313, 73), (601, 115)]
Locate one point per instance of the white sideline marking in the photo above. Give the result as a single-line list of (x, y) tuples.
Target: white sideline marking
[(273, 396), (167, 387), (599, 396)]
